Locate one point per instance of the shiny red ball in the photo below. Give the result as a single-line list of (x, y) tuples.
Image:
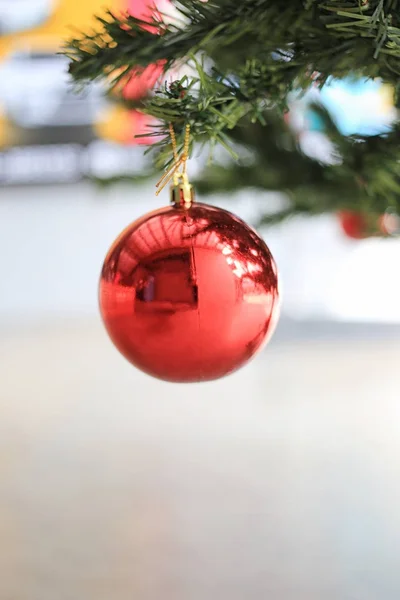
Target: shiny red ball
[(354, 224), (189, 294), (360, 225)]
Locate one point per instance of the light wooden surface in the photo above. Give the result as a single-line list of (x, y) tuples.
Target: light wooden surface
[(281, 482)]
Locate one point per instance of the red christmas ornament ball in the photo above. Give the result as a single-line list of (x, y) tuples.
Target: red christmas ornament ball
[(189, 294), (354, 224), (141, 125), (139, 81), (360, 225)]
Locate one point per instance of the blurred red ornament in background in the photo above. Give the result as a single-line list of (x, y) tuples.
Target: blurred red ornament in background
[(141, 124), (140, 80), (146, 10), (361, 225), (353, 224), (120, 125), (189, 294)]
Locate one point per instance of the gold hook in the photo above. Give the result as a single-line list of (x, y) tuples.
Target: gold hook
[(179, 161), (166, 178), (186, 148), (173, 142)]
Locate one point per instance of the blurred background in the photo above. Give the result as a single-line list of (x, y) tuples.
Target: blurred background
[(280, 481)]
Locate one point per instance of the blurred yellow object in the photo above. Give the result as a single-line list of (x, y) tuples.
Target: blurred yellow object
[(386, 93), (113, 125), (7, 134), (67, 15), (122, 126)]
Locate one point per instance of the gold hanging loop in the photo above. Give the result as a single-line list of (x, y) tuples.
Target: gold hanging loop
[(173, 142), (185, 155), (181, 190), (166, 178)]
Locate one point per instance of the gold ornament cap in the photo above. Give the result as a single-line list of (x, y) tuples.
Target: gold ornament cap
[(182, 193)]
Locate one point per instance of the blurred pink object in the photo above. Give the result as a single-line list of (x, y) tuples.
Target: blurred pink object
[(141, 80), (140, 124)]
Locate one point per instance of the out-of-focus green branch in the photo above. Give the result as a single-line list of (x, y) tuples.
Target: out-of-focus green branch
[(247, 58)]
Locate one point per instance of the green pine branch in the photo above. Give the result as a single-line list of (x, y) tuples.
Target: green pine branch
[(247, 58)]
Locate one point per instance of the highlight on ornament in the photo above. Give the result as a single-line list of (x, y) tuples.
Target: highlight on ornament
[(188, 292)]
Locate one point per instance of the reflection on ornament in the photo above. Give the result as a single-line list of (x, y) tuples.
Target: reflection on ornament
[(189, 294)]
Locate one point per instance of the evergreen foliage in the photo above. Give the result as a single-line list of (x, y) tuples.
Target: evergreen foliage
[(247, 58)]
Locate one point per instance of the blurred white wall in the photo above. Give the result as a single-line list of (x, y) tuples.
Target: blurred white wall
[(53, 240)]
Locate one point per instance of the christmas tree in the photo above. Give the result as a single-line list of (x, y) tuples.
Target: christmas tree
[(243, 61)]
